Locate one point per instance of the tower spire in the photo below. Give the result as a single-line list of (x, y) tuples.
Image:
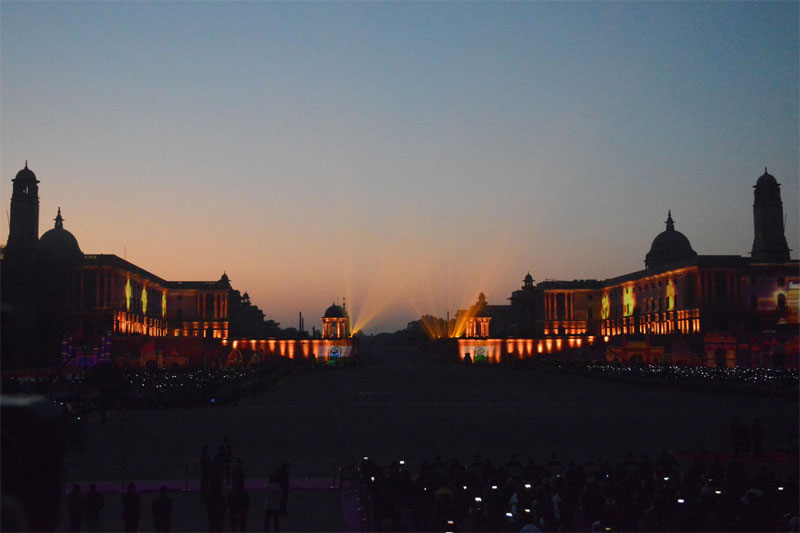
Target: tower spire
[(670, 223), (59, 220)]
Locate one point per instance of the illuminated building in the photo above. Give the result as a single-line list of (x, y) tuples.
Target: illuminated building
[(51, 291), (119, 297), (475, 319), (336, 322), (717, 310)]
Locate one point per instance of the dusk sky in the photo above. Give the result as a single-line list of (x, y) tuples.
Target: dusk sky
[(406, 156)]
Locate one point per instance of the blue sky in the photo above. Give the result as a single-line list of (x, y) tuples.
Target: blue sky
[(405, 155)]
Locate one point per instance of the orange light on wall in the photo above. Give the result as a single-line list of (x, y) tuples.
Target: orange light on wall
[(529, 347), (558, 344), (539, 347)]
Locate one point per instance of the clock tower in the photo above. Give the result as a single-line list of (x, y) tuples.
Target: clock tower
[(23, 231), (769, 243)]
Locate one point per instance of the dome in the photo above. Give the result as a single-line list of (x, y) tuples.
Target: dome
[(766, 179), (335, 311), (528, 278), (60, 243), (669, 246), (25, 174)]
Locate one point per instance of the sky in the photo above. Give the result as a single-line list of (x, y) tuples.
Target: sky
[(404, 156)]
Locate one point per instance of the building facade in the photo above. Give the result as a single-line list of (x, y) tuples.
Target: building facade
[(53, 293), (730, 310)]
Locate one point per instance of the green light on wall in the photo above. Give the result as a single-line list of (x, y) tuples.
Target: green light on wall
[(629, 302), (605, 307), (163, 304), (128, 293), (670, 295), (144, 301)]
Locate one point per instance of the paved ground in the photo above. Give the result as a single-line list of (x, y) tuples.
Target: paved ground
[(397, 405), (311, 510)]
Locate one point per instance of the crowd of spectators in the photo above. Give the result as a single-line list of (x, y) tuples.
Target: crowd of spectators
[(104, 389), (703, 494), (774, 382), (763, 381)]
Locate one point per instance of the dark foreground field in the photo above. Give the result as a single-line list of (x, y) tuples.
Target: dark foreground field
[(397, 405)]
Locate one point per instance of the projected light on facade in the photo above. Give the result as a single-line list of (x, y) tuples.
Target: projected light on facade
[(128, 294), (605, 308), (163, 304), (670, 295), (629, 301), (144, 301)]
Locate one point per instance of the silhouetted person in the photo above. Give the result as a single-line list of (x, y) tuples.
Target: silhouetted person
[(216, 476), (226, 451), (467, 360), (130, 509), (735, 430), (162, 511), (215, 505), (75, 508), (237, 474), (238, 504), (92, 504), (282, 479), (272, 504), (205, 472), (757, 434)]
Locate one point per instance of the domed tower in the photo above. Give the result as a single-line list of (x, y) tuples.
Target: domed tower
[(528, 281), (668, 246), (24, 220), (477, 324), (769, 242), (56, 270), (59, 244), (335, 323)]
